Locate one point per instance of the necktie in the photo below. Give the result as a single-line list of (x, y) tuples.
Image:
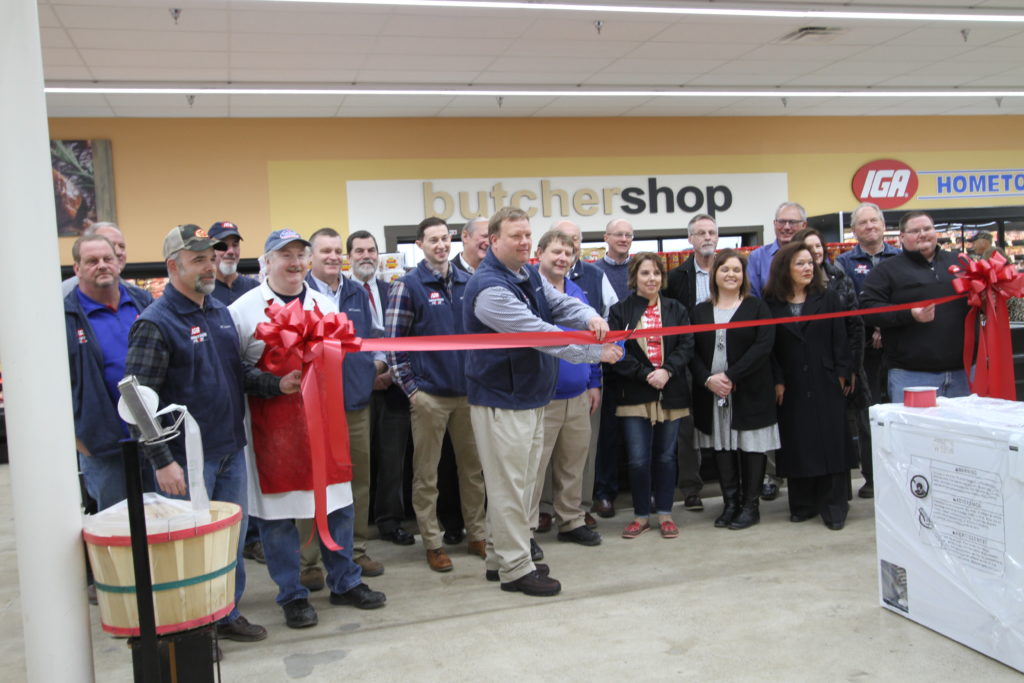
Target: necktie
[(369, 293)]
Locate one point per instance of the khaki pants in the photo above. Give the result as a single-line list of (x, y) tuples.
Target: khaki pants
[(510, 443), (359, 449), (431, 415), (566, 442)]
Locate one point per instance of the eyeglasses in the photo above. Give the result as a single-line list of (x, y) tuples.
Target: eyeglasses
[(917, 231), (793, 222), (621, 235)]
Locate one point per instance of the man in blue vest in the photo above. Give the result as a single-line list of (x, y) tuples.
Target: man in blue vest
[(185, 347), (98, 314), (508, 389), (428, 301), (230, 283), (868, 223)]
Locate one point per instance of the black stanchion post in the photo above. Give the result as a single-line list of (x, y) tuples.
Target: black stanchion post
[(147, 657)]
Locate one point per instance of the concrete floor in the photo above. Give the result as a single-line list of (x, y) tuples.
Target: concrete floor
[(782, 601)]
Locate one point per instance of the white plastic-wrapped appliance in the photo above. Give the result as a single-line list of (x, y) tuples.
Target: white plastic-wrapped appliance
[(949, 518)]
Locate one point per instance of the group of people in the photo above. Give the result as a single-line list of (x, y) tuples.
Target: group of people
[(534, 435)]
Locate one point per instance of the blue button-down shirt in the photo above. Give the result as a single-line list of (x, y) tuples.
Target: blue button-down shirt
[(111, 328)]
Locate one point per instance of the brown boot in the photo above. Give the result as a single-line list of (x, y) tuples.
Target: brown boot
[(478, 548), (438, 560)]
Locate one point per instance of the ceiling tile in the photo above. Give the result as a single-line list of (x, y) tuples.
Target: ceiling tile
[(103, 39), (441, 24), (61, 57), (140, 18), (778, 70), (300, 43), (54, 37), (464, 45), (151, 74), (155, 58), (309, 60), (241, 76), (294, 18), (427, 78), (641, 67), (407, 111), (52, 72)]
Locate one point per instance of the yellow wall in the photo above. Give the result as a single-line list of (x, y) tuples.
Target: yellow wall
[(269, 173)]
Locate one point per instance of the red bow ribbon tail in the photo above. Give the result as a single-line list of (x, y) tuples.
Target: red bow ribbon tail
[(317, 400), (988, 283)]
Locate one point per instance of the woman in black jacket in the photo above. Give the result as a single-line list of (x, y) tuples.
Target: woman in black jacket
[(652, 392), (814, 367), (733, 396)]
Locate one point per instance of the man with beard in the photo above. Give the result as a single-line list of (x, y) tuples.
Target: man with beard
[(279, 464), (790, 218), (185, 347), (868, 223), (428, 301), (230, 283), (474, 245), (690, 284), (923, 346)]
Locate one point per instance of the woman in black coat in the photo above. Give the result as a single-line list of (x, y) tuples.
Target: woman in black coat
[(733, 395), (652, 392), (813, 370)]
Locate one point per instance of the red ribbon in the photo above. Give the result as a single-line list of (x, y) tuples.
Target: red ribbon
[(462, 342), (320, 342), (988, 283)]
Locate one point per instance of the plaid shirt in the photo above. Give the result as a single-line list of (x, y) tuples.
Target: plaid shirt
[(398, 323), (148, 359)]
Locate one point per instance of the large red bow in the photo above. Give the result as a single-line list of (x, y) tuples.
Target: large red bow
[(988, 283), (320, 342)]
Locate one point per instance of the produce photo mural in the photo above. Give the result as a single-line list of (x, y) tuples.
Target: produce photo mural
[(82, 184)]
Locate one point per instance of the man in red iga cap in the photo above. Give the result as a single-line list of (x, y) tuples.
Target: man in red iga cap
[(230, 283), (185, 347)]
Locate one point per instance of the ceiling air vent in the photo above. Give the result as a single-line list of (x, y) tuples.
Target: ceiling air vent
[(812, 34)]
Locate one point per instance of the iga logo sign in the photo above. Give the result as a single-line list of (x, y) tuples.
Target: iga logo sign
[(886, 182)]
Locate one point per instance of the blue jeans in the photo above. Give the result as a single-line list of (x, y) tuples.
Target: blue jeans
[(225, 480), (652, 457), (281, 544), (951, 383), (104, 479)]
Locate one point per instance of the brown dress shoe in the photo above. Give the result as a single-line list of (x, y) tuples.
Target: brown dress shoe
[(438, 560), (312, 578), (369, 566), (589, 520), (603, 508), (543, 523), (478, 548)]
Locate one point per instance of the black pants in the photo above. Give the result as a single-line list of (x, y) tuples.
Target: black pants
[(390, 432), (825, 495)]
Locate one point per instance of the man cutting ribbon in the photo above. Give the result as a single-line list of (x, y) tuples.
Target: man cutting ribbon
[(281, 469)]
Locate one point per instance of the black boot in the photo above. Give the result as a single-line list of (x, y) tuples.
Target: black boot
[(729, 479), (752, 467)]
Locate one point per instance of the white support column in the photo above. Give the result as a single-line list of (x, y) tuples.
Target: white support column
[(40, 430)]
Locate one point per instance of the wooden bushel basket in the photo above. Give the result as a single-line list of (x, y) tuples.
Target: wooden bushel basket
[(193, 573)]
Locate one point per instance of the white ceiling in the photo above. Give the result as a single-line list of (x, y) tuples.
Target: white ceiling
[(216, 43)]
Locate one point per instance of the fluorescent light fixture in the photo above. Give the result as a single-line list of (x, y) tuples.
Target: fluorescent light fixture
[(683, 11), (575, 92)]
